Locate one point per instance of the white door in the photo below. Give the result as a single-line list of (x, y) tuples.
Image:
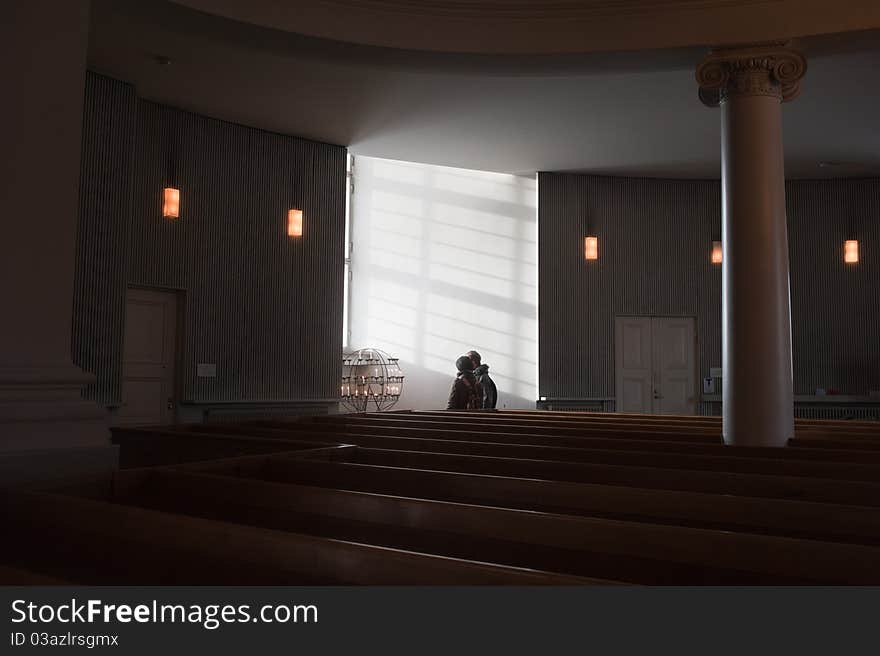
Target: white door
[(149, 355), (633, 355), (674, 366), (655, 365)]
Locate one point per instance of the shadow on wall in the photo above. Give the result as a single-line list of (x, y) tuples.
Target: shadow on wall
[(444, 261)]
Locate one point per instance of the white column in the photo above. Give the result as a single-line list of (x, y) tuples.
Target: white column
[(750, 85), (43, 83)]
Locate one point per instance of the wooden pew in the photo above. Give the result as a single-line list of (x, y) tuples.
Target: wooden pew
[(683, 425), (691, 461), (861, 438), (817, 427), (150, 446), (717, 482), (10, 575), (348, 432), (710, 419), (95, 542), (624, 550), (833, 522), (852, 425), (608, 428), (611, 431), (864, 448), (566, 419)]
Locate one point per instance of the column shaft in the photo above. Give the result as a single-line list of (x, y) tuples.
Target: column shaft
[(756, 316), (750, 84)]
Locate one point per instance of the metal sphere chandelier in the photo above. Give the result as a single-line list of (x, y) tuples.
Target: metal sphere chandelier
[(371, 380)]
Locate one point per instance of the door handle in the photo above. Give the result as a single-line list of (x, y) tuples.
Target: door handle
[(170, 404)]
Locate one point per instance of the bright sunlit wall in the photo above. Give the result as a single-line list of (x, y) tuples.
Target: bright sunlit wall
[(444, 261)]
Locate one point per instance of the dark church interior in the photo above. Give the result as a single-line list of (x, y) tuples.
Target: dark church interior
[(249, 246)]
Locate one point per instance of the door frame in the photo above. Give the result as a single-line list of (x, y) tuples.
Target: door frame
[(697, 382), (179, 342)]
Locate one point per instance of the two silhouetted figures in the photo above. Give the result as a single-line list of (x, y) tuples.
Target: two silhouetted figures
[(472, 388)]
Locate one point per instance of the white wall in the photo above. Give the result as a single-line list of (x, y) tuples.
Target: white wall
[(444, 261)]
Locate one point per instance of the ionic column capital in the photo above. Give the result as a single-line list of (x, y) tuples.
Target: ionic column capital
[(772, 70)]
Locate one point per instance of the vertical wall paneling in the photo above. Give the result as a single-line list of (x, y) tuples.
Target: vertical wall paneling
[(102, 233), (265, 308), (655, 240), (835, 306)]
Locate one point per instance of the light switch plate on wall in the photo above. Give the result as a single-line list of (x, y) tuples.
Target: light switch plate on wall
[(206, 370)]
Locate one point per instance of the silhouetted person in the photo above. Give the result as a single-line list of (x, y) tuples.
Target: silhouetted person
[(464, 394), (486, 385)]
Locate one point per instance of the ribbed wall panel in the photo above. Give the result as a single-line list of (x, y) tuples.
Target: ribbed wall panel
[(655, 239), (102, 233), (835, 306), (265, 308)]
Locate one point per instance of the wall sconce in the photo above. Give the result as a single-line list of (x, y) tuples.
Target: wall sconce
[(294, 223), (591, 248), (851, 251), (171, 203), (716, 252)]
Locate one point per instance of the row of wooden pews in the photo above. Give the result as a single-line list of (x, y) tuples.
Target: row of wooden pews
[(510, 497)]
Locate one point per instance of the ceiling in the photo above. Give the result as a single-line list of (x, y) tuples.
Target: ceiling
[(631, 112), (548, 26)]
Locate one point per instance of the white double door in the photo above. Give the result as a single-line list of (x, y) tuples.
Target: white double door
[(655, 365)]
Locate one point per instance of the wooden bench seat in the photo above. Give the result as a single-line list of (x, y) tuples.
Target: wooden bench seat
[(600, 428), (692, 461), (10, 575), (454, 497), (702, 419), (817, 427), (540, 417), (865, 448), (656, 423), (632, 442), (740, 484), (833, 522), (96, 542), (624, 550), (149, 446)]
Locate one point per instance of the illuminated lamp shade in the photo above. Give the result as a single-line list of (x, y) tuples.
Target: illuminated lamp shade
[(591, 248), (716, 252), (171, 203), (294, 223), (851, 251)]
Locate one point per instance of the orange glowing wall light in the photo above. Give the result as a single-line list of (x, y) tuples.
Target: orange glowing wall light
[(716, 252), (171, 203), (294, 223), (851, 251), (591, 248)]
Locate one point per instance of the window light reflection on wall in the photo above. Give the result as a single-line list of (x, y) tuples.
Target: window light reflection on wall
[(591, 248), (294, 223), (716, 252), (851, 251), (171, 203)]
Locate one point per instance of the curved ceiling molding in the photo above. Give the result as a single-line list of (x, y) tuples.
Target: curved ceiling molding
[(629, 114), (551, 26)]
